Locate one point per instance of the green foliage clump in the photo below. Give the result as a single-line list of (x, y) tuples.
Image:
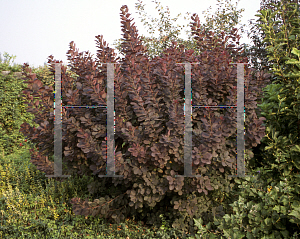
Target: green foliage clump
[(13, 111), (33, 206)]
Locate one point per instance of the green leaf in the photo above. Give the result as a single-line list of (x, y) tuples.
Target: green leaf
[(263, 12), (276, 208), (292, 75), (292, 61), (296, 52), (285, 201), (226, 217), (296, 148), (295, 213), (268, 221), (285, 233)]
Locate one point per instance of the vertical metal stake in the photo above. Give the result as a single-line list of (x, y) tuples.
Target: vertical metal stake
[(57, 126)]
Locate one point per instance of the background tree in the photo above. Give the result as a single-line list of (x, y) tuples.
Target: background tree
[(5, 63), (257, 50), (42, 72), (257, 53), (224, 19), (10, 138), (283, 54)]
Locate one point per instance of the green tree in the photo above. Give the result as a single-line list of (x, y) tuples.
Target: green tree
[(258, 54), (44, 75), (257, 50), (224, 19), (13, 113), (5, 64), (283, 41), (42, 72)]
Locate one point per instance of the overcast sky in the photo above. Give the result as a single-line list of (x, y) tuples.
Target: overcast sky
[(33, 30)]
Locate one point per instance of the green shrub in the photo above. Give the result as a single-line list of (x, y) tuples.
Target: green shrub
[(33, 206)]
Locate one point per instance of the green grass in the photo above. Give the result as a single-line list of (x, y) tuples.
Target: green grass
[(34, 206)]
